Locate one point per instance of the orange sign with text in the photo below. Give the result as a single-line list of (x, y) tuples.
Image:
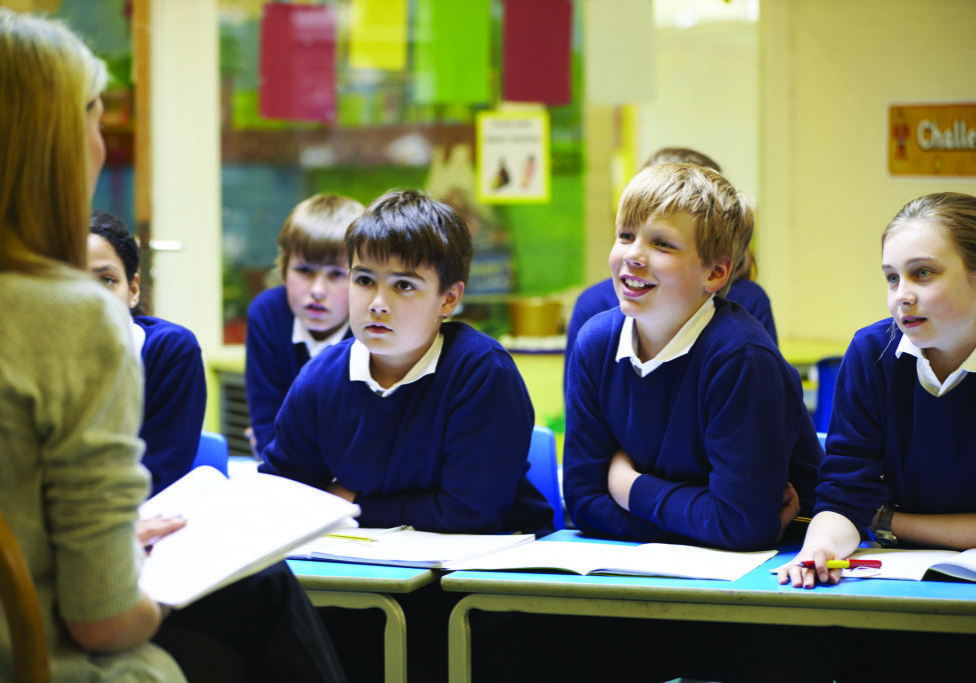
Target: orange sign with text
[(932, 139)]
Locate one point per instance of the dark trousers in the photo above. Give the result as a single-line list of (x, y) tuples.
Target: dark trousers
[(261, 628)]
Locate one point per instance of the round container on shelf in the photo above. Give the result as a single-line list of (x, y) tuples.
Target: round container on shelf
[(535, 316)]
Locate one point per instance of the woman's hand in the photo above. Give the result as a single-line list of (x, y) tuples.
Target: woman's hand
[(149, 531)]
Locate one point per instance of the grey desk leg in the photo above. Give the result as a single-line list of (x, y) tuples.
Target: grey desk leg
[(395, 632), (459, 641)]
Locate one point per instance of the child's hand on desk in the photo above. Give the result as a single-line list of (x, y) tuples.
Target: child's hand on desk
[(620, 478), (789, 509), (337, 489)]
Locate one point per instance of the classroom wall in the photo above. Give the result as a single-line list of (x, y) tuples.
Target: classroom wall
[(828, 71)]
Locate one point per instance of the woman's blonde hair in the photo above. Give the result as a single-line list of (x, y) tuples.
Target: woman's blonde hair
[(48, 79)]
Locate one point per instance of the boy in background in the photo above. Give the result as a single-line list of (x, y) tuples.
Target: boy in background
[(291, 323)]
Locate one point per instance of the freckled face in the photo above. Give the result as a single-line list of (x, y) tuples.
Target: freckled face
[(931, 295)]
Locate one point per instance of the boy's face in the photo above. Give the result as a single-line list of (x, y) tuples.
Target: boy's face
[(396, 311), (660, 279), (318, 294)]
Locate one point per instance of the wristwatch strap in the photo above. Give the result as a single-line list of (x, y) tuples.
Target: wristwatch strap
[(883, 534)]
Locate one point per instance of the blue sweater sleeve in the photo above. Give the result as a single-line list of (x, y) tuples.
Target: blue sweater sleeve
[(588, 448), (851, 481), (295, 450), (175, 401), (266, 373), (743, 423), (488, 426), (749, 433)]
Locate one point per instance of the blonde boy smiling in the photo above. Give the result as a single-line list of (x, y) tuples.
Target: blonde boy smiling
[(684, 423)]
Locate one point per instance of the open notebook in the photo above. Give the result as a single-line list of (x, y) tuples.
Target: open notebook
[(234, 528), (405, 547), (649, 559), (914, 565)]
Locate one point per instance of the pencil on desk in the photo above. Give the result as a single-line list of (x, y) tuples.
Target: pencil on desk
[(350, 537), (804, 520)]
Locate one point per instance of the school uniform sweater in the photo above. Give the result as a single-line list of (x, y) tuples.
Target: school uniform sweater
[(601, 297), (716, 434), (175, 400), (444, 453), (890, 441), (272, 360)]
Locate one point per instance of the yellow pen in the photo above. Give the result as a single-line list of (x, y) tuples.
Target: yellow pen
[(350, 537)]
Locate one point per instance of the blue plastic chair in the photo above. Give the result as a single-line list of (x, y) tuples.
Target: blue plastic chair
[(212, 451), (543, 471), (826, 379)]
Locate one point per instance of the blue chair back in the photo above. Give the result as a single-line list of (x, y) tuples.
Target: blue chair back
[(544, 471), (212, 452), (826, 379)]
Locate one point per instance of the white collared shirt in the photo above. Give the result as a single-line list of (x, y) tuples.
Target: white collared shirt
[(138, 339), (301, 335), (359, 366), (677, 346), (926, 376)]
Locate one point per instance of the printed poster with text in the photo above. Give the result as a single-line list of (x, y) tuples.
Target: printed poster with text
[(513, 156)]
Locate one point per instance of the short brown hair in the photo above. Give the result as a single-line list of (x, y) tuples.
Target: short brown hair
[(414, 227), (316, 230), (723, 218), (954, 211)]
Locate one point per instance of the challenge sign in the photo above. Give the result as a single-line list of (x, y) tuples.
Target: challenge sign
[(932, 139)]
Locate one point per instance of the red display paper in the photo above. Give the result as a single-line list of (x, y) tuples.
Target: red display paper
[(298, 62), (538, 36)]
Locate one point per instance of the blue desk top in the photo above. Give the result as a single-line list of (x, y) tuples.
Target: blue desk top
[(758, 587), (348, 576)]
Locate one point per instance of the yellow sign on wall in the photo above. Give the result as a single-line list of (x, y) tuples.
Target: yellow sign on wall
[(932, 139)]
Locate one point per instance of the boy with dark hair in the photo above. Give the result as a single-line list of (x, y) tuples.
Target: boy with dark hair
[(419, 421)]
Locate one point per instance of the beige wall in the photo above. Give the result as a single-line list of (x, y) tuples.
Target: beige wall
[(828, 71)]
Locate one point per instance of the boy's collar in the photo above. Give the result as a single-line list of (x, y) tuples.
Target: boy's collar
[(676, 347), (359, 366), (301, 335), (926, 375)]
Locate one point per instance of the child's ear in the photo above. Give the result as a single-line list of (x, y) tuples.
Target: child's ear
[(134, 291), (719, 274), (451, 298)]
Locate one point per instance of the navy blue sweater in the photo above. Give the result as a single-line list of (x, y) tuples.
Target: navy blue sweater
[(175, 400), (272, 361), (890, 441), (716, 434), (601, 297), (445, 453)]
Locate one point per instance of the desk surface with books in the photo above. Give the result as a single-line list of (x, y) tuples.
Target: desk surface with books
[(756, 597)]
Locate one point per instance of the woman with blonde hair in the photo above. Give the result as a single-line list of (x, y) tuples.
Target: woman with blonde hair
[(70, 395)]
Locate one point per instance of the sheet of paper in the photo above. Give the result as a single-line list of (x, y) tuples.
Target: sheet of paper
[(537, 51), (407, 547), (619, 36), (378, 35), (234, 527)]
